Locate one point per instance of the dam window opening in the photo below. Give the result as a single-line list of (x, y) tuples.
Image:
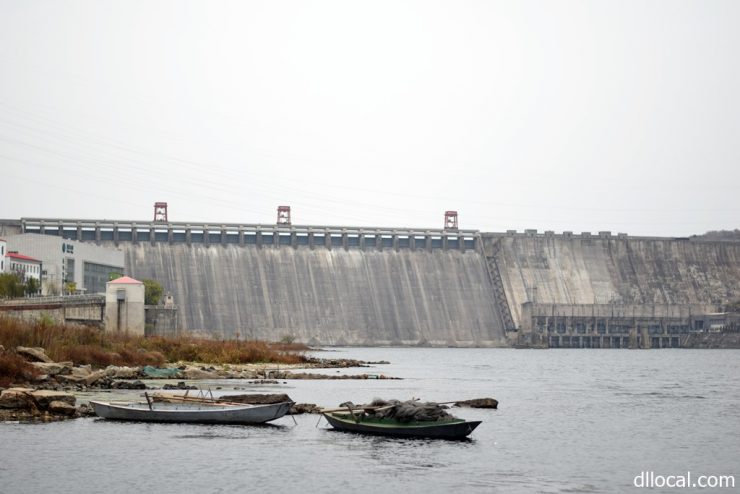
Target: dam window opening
[(319, 239), (469, 243), (69, 233), (353, 240), (125, 235), (436, 242), (284, 239), (403, 242), (387, 240), (52, 231), (453, 242), (581, 328), (301, 239), (231, 238), (32, 229), (87, 234), (177, 236), (196, 236), (655, 329), (420, 242), (336, 240), (268, 238), (601, 326), (161, 235), (106, 234), (214, 236)]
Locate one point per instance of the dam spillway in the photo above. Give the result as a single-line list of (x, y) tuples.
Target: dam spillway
[(326, 296), (381, 286)]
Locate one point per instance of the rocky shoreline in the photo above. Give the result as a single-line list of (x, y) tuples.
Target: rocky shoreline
[(48, 394)]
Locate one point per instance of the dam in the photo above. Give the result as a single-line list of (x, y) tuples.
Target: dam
[(449, 287)]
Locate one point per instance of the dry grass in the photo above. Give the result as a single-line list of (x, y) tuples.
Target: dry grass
[(92, 346), (14, 369)]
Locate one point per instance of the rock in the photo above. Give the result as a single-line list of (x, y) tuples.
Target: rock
[(179, 386), (195, 373), (128, 385), (301, 408), (36, 354), (478, 403), (52, 368), (71, 379), (85, 410), (2, 348), (43, 398), (61, 408), (121, 372), (95, 377), (256, 399), (82, 370), (17, 398)]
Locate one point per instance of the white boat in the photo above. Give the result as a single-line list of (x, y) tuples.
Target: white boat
[(191, 412)]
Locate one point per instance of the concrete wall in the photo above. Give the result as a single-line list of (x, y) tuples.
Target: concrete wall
[(79, 309), (557, 269), (325, 296)]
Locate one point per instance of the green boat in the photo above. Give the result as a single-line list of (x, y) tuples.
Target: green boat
[(446, 428)]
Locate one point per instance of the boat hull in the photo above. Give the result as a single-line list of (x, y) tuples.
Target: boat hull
[(434, 430), (205, 414)]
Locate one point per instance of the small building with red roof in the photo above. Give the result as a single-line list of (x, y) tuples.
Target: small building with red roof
[(124, 306), (25, 266)]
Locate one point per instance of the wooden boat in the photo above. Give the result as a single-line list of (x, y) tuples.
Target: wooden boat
[(451, 428), (191, 411)]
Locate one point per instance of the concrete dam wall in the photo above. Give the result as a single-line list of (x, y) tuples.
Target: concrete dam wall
[(585, 269), (327, 296)]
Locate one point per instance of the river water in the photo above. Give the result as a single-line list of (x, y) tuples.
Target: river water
[(568, 421)]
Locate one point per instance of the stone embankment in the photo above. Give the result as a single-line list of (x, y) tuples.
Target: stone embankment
[(27, 404), (46, 394)]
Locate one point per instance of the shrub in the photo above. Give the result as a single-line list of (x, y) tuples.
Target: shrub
[(15, 369)]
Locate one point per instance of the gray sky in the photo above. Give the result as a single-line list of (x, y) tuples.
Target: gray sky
[(562, 115)]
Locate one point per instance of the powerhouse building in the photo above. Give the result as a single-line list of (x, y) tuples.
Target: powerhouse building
[(87, 265)]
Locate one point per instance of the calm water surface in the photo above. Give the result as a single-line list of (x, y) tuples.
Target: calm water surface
[(569, 421)]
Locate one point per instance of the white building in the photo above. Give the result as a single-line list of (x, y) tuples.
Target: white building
[(124, 306), (26, 267), (3, 251), (65, 261)]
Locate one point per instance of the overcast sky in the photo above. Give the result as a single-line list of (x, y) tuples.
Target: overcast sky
[(561, 115)]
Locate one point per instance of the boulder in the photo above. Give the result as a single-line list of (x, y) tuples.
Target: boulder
[(121, 372), (195, 373), (301, 408), (478, 403), (179, 386), (36, 354), (86, 410), (43, 398), (52, 368), (61, 408), (128, 385), (16, 398), (71, 379), (94, 377), (82, 370)]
